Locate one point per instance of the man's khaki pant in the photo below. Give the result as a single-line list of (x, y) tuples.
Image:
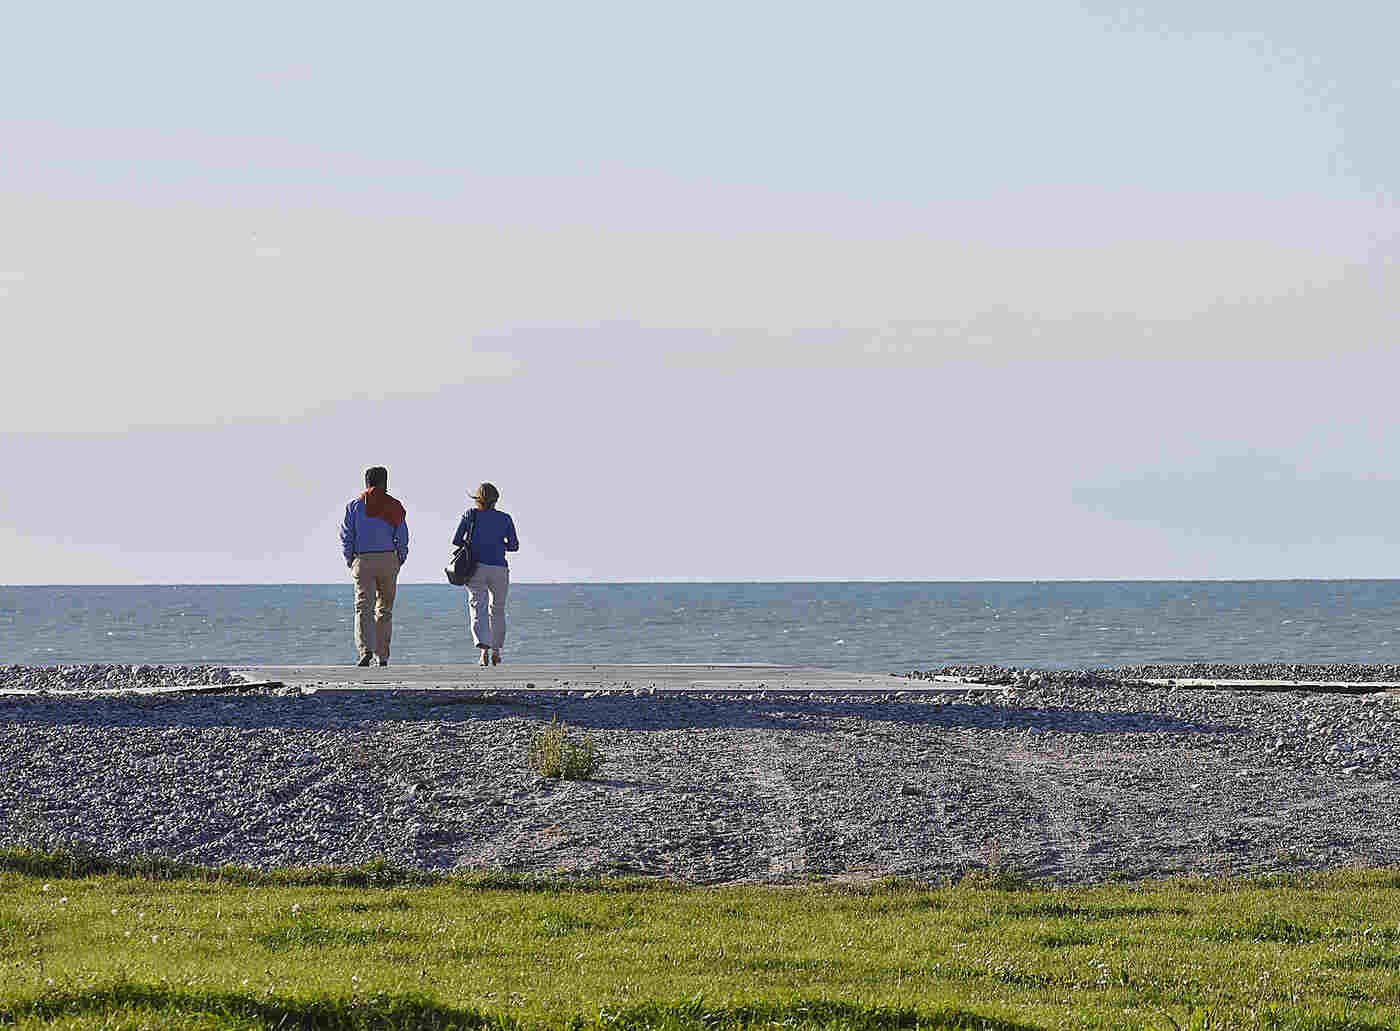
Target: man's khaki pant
[(376, 578)]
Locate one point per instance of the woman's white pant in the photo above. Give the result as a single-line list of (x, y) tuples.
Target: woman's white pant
[(495, 582)]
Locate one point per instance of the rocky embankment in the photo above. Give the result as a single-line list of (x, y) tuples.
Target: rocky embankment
[(98, 677), (1337, 672), (1065, 778)]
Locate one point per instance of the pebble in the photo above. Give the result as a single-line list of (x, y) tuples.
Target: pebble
[(1011, 675), (97, 677), (1073, 778)]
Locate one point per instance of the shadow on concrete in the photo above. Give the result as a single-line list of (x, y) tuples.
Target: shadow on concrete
[(671, 712)]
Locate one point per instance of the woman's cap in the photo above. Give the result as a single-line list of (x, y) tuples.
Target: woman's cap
[(487, 494)]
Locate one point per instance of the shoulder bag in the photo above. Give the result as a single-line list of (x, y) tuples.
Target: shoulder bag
[(462, 565)]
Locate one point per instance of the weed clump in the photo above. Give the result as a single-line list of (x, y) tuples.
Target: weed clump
[(554, 754)]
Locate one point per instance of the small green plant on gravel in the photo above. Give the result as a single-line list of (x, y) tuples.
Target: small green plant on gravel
[(554, 754)]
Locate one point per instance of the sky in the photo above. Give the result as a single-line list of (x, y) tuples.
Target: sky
[(712, 292)]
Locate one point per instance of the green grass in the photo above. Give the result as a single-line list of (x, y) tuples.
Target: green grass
[(553, 753), (154, 945)]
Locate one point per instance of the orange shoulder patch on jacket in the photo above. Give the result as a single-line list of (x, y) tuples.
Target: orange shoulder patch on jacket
[(380, 504)]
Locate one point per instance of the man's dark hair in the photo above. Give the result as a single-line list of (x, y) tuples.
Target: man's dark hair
[(377, 476)]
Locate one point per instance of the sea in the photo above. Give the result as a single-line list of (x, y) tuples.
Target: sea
[(880, 627)]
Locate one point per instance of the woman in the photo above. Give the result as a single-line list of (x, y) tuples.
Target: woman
[(492, 534)]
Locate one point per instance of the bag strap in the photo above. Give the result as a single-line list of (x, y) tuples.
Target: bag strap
[(471, 528)]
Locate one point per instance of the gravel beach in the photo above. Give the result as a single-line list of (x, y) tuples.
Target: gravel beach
[(1070, 777)]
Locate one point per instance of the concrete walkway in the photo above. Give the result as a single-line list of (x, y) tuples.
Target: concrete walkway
[(744, 678), (659, 678)]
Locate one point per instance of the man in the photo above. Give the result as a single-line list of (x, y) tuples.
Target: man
[(374, 538)]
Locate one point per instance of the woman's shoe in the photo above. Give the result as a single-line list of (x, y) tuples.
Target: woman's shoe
[(485, 657), (495, 658)]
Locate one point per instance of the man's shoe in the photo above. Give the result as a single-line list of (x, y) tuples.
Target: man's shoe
[(364, 660), (384, 661)]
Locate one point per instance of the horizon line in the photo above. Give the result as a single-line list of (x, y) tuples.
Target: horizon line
[(740, 583)]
